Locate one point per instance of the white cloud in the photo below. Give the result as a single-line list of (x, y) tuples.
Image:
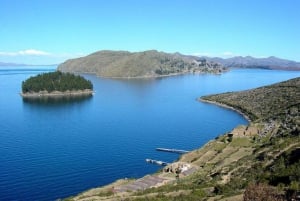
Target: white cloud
[(207, 54), (68, 55), (228, 53), (225, 54), (29, 52), (33, 52), (33, 56)]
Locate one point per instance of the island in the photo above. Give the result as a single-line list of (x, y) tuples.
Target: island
[(258, 161), (147, 64), (153, 63), (56, 84)]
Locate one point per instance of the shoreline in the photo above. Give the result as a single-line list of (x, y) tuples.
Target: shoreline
[(112, 184), (161, 76), (151, 76), (43, 94), (225, 106)]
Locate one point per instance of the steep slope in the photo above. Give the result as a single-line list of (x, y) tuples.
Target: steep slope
[(139, 64)]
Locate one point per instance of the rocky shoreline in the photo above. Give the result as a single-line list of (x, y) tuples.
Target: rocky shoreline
[(42, 94), (151, 76)]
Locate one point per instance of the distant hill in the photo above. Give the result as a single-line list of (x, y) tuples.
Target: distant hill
[(18, 64), (251, 62), (151, 63), (11, 64)]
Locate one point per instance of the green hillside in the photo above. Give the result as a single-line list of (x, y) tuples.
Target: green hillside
[(257, 162), (123, 64), (279, 102)]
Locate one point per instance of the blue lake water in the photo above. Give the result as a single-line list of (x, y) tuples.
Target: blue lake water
[(51, 150)]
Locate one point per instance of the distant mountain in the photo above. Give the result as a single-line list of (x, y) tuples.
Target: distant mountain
[(123, 64), (251, 62), (11, 64), (17, 64)]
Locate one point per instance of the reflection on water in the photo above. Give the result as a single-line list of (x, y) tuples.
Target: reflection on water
[(56, 100)]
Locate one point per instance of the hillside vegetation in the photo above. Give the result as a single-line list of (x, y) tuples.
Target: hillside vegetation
[(279, 102), (257, 162), (123, 64)]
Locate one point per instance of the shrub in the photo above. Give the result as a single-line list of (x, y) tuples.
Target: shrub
[(262, 192)]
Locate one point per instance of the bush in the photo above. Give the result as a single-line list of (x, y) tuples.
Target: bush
[(262, 192)]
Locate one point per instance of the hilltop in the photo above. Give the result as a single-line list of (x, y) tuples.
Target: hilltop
[(260, 161), (123, 64)]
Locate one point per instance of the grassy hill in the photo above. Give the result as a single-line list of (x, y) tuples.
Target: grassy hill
[(265, 103), (123, 64), (260, 161)]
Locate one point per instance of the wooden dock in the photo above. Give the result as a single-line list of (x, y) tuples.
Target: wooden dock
[(161, 163), (178, 151)]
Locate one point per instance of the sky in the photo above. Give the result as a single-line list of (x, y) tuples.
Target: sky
[(52, 31)]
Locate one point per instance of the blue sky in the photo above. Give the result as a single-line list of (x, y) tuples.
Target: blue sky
[(51, 31)]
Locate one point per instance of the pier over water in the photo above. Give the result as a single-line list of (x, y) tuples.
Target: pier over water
[(178, 151)]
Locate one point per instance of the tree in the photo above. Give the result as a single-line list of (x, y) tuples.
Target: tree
[(55, 81)]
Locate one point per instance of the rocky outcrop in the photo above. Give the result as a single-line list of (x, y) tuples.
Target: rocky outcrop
[(41, 94)]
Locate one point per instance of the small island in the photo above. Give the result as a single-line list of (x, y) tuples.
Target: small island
[(56, 84)]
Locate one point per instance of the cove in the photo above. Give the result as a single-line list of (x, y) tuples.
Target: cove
[(54, 149)]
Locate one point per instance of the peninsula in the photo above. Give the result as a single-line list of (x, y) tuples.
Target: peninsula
[(260, 161), (56, 84), (147, 64)]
